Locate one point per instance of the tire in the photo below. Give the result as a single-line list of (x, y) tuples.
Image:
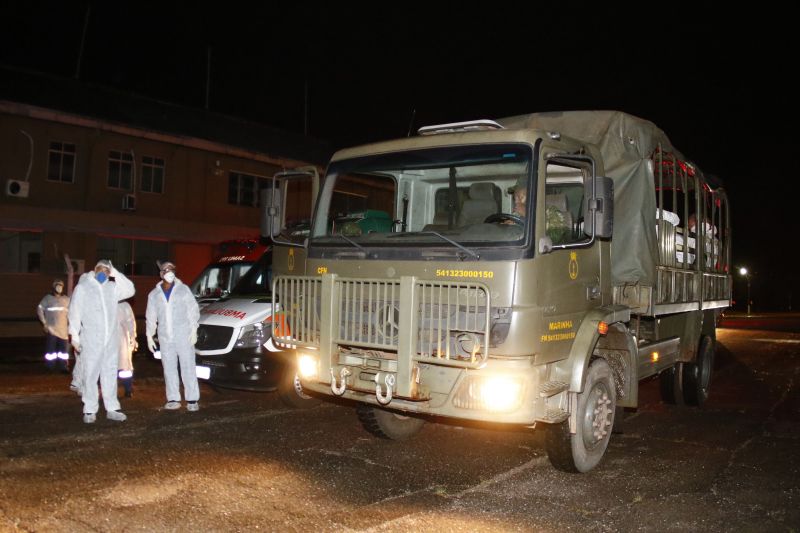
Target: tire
[(388, 424), (291, 392), (697, 375), (671, 382), (597, 402)]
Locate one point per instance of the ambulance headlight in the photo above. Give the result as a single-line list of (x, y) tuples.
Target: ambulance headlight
[(254, 335), (497, 393), (307, 366)]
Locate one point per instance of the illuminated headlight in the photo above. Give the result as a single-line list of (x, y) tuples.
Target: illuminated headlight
[(307, 366), (253, 335), (497, 393)]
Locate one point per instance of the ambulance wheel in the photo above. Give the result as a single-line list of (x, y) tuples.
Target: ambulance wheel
[(388, 424), (290, 391), (671, 382), (697, 375), (583, 451)]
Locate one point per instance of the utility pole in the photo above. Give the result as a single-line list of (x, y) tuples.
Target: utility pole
[(745, 273), (83, 42), (208, 74), (305, 108)]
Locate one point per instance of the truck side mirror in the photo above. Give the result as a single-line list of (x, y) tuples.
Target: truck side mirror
[(601, 206), (271, 222)]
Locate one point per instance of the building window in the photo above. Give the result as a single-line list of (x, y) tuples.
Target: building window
[(61, 162), (152, 174), (20, 251), (243, 189), (136, 257), (120, 170)]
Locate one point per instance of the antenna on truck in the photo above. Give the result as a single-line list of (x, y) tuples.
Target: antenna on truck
[(411, 122)]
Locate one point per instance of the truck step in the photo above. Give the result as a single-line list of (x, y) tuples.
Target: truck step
[(551, 388), (554, 415)]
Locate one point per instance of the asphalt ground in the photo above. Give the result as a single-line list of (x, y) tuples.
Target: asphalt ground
[(245, 462)]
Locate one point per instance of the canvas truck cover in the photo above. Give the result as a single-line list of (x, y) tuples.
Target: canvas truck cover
[(627, 144)]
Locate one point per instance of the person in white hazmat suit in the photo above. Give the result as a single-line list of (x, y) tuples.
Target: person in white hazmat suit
[(95, 334), (171, 308), (127, 345)]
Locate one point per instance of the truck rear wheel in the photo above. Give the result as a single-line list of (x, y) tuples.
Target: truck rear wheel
[(697, 375), (582, 451), (291, 392), (388, 424), (671, 382)]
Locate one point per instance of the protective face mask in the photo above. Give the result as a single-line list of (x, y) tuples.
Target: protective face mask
[(101, 277), (169, 277)]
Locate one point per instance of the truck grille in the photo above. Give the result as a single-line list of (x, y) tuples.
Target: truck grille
[(449, 320), (213, 337)]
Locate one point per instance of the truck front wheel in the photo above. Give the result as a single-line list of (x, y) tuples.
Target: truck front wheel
[(697, 375), (388, 424), (582, 451)]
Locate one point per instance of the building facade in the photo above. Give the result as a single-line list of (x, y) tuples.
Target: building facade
[(82, 186)]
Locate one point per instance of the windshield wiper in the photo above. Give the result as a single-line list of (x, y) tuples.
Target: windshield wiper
[(351, 241), (451, 241)]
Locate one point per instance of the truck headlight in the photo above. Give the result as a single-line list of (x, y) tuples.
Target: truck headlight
[(307, 366), (497, 393), (254, 335)]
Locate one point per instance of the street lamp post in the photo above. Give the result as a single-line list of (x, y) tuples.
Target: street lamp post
[(746, 274)]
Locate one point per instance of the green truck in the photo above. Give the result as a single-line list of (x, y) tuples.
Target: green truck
[(536, 269)]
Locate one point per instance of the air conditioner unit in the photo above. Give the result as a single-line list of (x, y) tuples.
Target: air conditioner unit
[(17, 188), (129, 202)]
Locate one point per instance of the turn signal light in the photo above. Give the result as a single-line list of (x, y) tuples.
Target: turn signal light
[(602, 328)]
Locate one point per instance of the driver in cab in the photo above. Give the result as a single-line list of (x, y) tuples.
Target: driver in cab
[(520, 202)]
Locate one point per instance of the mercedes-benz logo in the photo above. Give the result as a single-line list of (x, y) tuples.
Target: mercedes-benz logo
[(202, 336), (388, 320)]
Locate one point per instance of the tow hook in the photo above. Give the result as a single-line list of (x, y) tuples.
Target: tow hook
[(389, 381), (338, 390)]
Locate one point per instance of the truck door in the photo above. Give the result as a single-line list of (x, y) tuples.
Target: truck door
[(287, 208), (569, 267)]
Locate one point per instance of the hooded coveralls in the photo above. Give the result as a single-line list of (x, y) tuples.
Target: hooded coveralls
[(93, 324), (52, 313), (176, 319), (127, 340)]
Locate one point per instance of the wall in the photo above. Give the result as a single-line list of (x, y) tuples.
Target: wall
[(192, 214)]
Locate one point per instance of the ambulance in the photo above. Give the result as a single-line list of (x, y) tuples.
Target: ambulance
[(234, 348)]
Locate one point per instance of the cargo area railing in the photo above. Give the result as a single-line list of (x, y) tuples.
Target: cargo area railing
[(693, 265)]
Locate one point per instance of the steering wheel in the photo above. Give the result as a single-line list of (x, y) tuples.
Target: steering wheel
[(503, 217)]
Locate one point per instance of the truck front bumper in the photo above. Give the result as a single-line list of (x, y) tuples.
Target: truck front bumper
[(502, 391)]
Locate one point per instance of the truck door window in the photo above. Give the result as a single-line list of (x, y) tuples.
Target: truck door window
[(564, 200)]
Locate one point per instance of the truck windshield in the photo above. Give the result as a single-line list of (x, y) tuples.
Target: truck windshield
[(257, 280), (464, 195)]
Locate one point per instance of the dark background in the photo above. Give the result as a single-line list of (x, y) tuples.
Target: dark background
[(717, 80)]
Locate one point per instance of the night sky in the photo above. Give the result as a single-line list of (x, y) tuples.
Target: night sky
[(717, 81)]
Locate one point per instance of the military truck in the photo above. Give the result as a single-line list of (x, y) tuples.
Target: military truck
[(610, 268)]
